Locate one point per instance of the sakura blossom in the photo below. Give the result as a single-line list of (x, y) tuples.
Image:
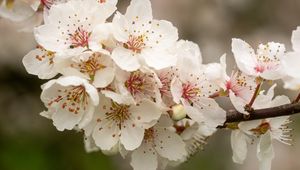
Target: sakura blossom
[(69, 26), (265, 62), (143, 40), (70, 101), (266, 130), (132, 87)]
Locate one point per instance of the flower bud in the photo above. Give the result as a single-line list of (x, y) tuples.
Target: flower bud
[(178, 112)]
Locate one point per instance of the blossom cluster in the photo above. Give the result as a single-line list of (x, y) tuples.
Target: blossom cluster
[(133, 87)]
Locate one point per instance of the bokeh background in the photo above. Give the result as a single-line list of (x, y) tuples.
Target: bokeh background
[(30, 142)]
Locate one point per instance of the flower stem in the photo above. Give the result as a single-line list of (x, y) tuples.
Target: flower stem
[(248, 107), (297, 99)]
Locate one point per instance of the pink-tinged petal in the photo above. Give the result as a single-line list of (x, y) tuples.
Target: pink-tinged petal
[(131, 135), (244, 56), (106, 134), (144, 158), (176, 90), (239, 146), (146, 111), (169, 145), (265, 152), (296, 39), (126, 59)]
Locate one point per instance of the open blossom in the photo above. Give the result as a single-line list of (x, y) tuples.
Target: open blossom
[(70, 101), (265, 62), (69, 26), (266, 130), (291, 63), (239, 86), (142, 40), (160, 142), (193, 91), (140, 84), (41, 62), (96, 67), (122, 121)]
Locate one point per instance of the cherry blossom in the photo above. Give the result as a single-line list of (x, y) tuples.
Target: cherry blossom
[(266, 130), (96, 67), (122, 122), (143, 40), (159, 142), (70, 101), (41, 62), (265, 62), (69, 26)]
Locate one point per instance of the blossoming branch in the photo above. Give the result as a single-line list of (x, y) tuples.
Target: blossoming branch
[(134, 88)]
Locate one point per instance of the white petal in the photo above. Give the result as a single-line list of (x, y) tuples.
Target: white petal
[(106, 134), (296, 39), (238, 103), (213, 114), (265, 152), (119, 98), (239, 146), (104, 77), (290, 63), (89, 144), (131, 135), (139, 10), (158, 59), (244, 56), (146, 111), (37, 62), (277, 122), (144, 158), (100, 33), (126, 59), (162, 35), (169, 145)]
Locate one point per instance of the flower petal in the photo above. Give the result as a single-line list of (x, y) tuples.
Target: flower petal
[(144, 158), (126, 59), (239, 146), (131, 135)]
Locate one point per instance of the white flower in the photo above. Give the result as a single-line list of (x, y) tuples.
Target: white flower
[(122, 122), (266, 130), (291, 63), (70, 101), (140, 84), (68, 26), (41, 62), (16, 10), (264, 63), (239, 86), (93, 66), (159, 142), (142, 40)]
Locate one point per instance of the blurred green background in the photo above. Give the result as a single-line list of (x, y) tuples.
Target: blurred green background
[(30, 142)]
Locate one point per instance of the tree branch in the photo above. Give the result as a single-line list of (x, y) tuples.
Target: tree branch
[(283, 110)]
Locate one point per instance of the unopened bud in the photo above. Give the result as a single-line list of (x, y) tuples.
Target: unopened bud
[(178, 112)]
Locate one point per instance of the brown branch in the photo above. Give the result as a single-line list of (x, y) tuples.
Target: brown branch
[(283, 110)]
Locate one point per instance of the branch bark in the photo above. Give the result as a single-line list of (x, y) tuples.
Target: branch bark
[(283, 110)]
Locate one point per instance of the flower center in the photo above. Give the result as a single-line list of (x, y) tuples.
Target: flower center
[(135, 83), (261, 129), (101, 1), (189, 91), (72, 99), (119, 113), (91, 66), (149, 135), (135, 43), (80, 38)]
